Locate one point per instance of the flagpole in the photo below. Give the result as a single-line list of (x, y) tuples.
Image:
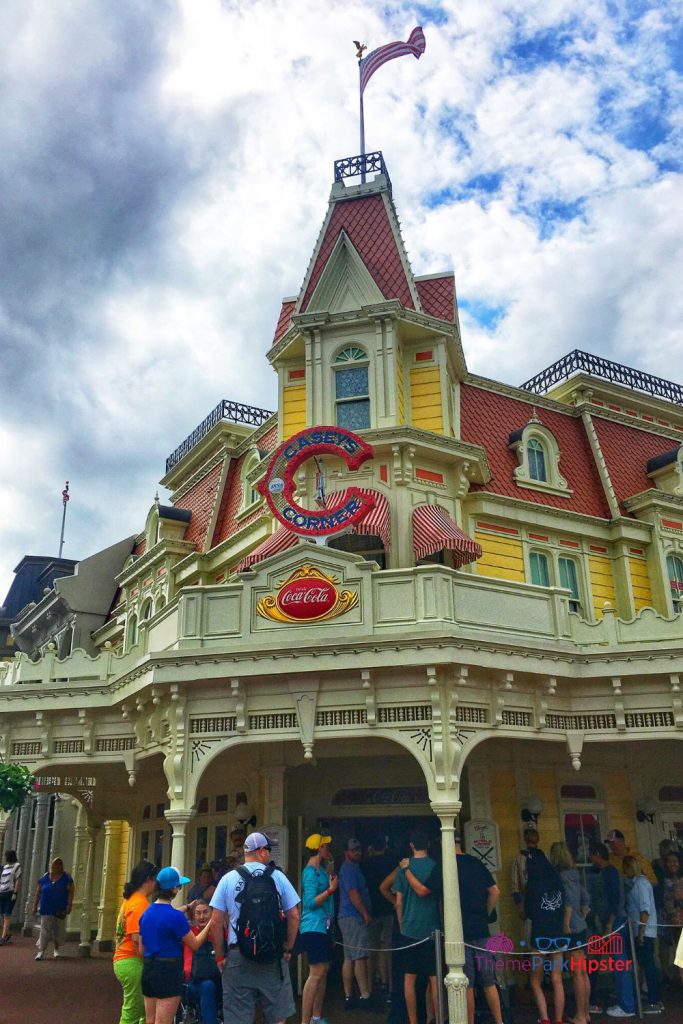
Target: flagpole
[(65, 499), (362, 125)]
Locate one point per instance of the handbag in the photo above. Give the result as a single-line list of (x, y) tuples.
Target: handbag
[(204, 965)]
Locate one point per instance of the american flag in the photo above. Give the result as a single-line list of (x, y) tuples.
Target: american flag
[(368, 65), (65, 493)]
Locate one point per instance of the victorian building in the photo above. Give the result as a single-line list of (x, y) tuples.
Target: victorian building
[(499, 638)]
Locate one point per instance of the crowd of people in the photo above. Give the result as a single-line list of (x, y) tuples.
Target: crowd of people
[(228, 948)]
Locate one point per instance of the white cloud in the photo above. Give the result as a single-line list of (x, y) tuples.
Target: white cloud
[(167, 173)]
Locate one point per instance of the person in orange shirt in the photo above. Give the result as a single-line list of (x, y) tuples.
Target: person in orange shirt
[(128, 953)]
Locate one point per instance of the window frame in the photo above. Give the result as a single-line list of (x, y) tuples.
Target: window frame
[(351, 357), (676, 602), (554, 482)]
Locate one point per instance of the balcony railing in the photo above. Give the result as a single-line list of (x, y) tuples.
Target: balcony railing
[(233, 412), (597, 366), (361, 166)]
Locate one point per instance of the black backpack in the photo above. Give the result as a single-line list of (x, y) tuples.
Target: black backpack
[(261, 927)]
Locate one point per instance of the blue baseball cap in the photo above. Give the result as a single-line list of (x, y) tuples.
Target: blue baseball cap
[(170, 878)]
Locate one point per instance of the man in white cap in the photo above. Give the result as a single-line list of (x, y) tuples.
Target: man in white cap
[(261, 913)]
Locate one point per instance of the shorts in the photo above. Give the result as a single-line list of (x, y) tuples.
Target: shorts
[(355, 936), (418, 959), (480, 964), (162, 979), (316, 945), (7, 901), (380, 932), (245, 983)]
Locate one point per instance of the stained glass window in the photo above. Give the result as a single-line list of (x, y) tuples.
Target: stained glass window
[(352, 390)]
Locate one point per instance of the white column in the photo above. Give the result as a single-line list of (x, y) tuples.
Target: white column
[(38, 853), (455, 980), (92, 832), (179, 820)]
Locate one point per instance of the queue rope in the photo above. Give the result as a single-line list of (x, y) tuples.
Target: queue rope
[(499, 952)]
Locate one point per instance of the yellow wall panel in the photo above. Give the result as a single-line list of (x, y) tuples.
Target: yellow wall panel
[(640, 583), (505, 812), (620, 806), (502, 557), (293, 410), (425, 398), (602, 582), (400, 392)]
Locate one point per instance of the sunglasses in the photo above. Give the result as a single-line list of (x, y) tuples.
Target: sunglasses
[(544, 944)]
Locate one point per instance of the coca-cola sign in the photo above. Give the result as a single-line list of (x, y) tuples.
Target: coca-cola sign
[(306, 599), (308, 595)]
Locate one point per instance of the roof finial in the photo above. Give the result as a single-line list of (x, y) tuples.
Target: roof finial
[(534, 415)]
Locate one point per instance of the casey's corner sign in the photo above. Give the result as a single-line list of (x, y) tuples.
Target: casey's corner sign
[(279, 483)]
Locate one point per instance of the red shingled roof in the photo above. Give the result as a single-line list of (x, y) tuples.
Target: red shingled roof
[(140, 548), (627, 451), (437, 297), (488, 419), (367, 224), (268, 441), (200, 501), (284, 318)]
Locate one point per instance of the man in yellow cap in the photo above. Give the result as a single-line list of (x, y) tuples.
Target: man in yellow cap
[(315, 929)]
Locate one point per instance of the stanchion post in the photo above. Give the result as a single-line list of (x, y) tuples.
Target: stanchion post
[(636, 980), (439, 977)]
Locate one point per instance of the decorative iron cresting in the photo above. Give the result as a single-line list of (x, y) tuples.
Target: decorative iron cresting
[(233, 412), (598, 366), (360, 166)]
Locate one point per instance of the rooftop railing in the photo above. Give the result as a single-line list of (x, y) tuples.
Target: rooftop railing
[(598, 366), (233, 412), (361, 166)]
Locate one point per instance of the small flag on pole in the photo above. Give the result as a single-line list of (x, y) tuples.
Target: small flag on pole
[(368, 65)]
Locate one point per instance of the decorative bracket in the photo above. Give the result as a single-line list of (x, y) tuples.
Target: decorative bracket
[(368, 684), (575, 748), (239, 693)]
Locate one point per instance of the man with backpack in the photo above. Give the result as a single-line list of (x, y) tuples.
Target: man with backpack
[(260, 908)]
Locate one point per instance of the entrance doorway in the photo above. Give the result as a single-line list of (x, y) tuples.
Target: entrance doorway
[(396, 829)]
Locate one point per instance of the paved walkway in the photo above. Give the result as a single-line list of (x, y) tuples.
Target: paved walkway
[(78, 990)]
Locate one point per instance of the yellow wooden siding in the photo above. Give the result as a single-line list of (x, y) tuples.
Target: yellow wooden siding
[(400, 393), (640, 583), (293, 410), (505, 812), (621, 811), (425, 398), (602, 583), (502, 557)]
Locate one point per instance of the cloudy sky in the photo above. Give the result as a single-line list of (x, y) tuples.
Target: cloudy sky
[(165, 170)]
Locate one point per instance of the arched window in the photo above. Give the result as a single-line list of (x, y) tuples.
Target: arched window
[(538, 564), (250, 493), (536, 457), (161, 603), (367, 545), (569, 579), (539, 459), (352, 389), (674, 566), (146, 612), (132, 632)]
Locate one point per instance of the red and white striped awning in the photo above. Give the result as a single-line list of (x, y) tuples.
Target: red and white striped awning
[(433, 529), (278, 541), (377, 522)]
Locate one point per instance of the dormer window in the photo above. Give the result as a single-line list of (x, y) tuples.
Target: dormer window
[(539, 459), (352, 389), (536, 457), (250, 494), (666, 471)]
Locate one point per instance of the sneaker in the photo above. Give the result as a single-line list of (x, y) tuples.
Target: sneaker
[(39, 956), (616, 1011), (653, 1008), (349, 1003), (56, 955), (594, 1008)]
